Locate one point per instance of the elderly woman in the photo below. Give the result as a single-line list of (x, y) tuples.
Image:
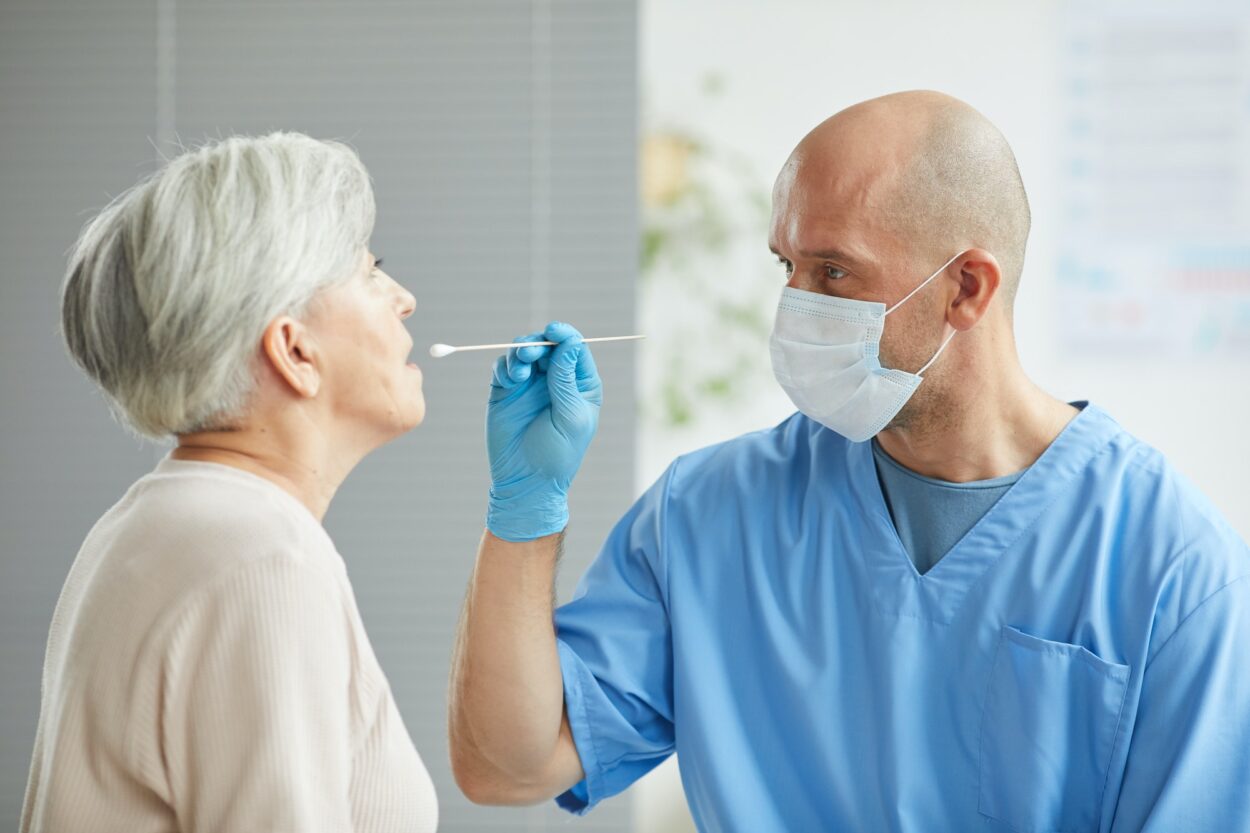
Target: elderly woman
[(207, 668)]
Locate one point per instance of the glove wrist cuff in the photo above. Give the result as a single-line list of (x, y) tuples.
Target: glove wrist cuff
[(524, 517)]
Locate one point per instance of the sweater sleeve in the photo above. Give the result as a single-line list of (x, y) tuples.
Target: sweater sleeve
[(257, 715)]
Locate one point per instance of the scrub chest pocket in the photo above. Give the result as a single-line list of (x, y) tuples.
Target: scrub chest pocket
[(1051, 716)]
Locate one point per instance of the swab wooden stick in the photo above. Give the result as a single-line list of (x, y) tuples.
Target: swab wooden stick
[(440, 350)]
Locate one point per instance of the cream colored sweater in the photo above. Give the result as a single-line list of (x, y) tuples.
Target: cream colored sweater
[(207, 670)]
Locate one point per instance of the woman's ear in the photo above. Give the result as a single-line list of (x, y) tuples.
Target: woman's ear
[(979, 279), (291, 352)]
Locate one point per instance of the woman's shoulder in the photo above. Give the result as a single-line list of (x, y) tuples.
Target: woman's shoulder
[(184, 527), (185, 561)]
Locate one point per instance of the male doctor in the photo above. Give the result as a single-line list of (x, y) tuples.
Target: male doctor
[(934, 599)]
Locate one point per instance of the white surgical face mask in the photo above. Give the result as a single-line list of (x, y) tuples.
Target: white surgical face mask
[(825, 356)]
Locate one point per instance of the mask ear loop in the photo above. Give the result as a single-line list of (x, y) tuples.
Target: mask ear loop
[(925, 282), (930, 362)]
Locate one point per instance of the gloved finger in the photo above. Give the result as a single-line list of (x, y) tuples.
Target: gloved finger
[(562, 377), (499, 373), (559, 332), (529, 354), (520, 360), (586, 372)]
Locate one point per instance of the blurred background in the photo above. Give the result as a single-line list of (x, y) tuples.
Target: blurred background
[(609, 162)]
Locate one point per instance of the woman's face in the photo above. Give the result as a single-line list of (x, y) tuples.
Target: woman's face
[(366, 377)]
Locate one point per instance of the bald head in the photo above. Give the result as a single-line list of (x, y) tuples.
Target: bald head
[(926, 169)]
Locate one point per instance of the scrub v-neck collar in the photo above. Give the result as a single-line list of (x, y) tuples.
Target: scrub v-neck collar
[(937, 595)]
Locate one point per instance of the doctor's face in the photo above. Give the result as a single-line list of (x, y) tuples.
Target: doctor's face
[(832, 234)]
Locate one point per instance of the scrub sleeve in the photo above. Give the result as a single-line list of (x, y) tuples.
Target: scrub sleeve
[(616, 659)]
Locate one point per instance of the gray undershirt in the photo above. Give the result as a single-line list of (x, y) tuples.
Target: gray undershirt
[(930, 515)]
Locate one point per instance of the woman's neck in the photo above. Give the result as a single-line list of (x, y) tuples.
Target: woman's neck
[(302, 463)]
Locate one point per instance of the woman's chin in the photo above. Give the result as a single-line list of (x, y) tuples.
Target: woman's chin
[(413, 412), (415, 415)]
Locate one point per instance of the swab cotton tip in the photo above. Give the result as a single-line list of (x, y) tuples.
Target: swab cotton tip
[(440, 350)]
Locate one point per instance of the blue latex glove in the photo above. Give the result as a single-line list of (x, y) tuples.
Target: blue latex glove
[(542, 414)]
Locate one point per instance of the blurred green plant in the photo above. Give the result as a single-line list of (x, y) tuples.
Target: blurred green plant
[(706, 296)]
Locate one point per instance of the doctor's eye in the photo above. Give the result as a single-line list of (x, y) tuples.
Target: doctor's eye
[(787, 265), (833, 273)]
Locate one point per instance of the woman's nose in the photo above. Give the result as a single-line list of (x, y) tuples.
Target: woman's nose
[(407, 303)]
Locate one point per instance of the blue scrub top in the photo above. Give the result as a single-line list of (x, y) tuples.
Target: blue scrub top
[(1079, 660)]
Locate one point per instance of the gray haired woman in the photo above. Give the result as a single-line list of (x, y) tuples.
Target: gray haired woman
[(207, 668)]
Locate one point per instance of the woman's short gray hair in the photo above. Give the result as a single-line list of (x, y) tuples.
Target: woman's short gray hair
[(171, 286)]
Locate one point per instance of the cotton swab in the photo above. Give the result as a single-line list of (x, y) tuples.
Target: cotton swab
[(440, 350)]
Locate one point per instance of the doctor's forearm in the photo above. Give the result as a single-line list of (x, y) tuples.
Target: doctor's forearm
[(509, 739)]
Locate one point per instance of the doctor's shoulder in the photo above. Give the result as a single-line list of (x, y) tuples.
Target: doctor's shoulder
[(1167, 515), (778, 459)]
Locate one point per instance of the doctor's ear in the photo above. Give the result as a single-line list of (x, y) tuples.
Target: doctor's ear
[(290, 351), (979, 280)]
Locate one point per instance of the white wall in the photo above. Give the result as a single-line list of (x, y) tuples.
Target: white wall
[(787, 65)]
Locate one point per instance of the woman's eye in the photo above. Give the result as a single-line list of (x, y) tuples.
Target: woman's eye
[(833, 273)]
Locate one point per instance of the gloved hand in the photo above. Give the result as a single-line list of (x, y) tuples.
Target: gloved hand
[(542, 414)]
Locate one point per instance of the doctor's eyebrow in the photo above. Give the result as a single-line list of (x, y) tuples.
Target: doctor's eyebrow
[(825, 254)]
